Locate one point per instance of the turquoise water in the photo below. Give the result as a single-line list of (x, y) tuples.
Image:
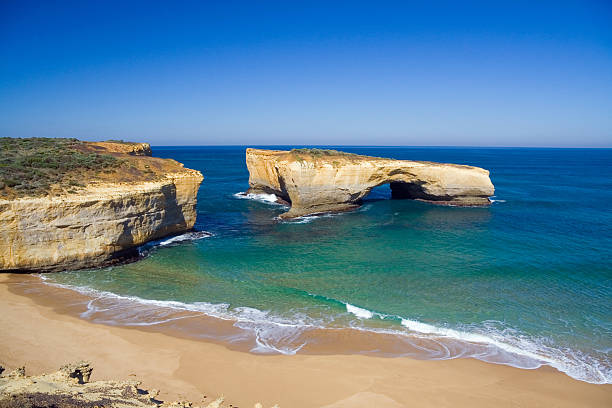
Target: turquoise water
[(524, 282)]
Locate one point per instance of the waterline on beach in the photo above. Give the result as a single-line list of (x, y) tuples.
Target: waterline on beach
[(270, 333)]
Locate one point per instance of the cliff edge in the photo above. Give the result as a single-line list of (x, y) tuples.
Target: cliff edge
[(67, 204), (315, 181)]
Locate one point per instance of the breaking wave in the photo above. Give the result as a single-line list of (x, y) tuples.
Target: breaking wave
[(174, 240), (489, 341), (261, 197), (189, 236)]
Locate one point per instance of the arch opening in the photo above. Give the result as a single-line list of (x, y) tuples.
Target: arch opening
[(401, 190), (398, 190), (380, 192)]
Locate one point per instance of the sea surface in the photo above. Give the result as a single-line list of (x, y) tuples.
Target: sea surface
[(525, 282)]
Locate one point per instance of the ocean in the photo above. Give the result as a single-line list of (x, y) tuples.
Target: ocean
[(525, 282)]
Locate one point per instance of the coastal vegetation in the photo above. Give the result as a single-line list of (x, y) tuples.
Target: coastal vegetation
[(32, 166), (321, 152), (314, 152), (38, 166), (304, 154)]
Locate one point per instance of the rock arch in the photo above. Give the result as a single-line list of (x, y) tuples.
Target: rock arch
[(316, 181)]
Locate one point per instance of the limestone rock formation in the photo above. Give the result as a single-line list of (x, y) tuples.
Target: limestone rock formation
[(103, 218), (316, 181), (133, 149), (70, 388)]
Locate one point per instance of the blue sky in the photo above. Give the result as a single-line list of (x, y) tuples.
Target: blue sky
[(489, 73)]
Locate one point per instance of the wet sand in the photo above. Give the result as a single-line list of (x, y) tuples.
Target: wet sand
[(39, 329)]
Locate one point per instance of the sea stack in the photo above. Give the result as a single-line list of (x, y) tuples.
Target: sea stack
[(73, 204), (317, 181)]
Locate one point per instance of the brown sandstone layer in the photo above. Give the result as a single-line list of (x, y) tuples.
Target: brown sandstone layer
[(316, 181)]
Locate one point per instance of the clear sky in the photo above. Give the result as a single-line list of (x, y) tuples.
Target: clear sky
[(490, 73)]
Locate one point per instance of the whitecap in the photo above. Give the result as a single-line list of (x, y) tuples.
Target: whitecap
[(261, 197), (491, 341), (359, 312), (189, 236), (304, 219)]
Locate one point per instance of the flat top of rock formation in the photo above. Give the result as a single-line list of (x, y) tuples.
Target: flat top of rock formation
[(33, 167), (337, 158)]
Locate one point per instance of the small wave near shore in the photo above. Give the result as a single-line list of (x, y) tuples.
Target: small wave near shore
[(173, 240), (262, 331)]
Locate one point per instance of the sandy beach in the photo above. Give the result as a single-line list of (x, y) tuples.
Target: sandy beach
[(33, 332), (212, 204)]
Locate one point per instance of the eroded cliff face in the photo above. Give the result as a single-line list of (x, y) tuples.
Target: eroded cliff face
[(101, 222), (316, 181)]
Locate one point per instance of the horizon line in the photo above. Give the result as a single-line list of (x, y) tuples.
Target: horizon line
[(385, 146)]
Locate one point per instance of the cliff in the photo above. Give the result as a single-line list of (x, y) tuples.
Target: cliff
[(96, 215), (316, 181)]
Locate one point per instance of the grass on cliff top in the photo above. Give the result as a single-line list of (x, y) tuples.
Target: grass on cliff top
[(119, 141), (32, 166), (321, 152), (315, 154)]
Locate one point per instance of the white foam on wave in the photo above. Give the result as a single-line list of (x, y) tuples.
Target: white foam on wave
[(299, 220), (506, 346), (280, 334), (188, 236), (471, 337), (144, 249), (271, 331), (495, 200), (305, 219), (261, 197), (359, 312), (268, 329)]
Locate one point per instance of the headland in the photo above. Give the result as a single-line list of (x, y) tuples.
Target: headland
[(68, 204)]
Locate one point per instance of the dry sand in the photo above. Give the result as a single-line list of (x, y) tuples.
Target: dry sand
[(33, 333)]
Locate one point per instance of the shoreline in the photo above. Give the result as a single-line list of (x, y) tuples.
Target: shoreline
[(257, 333), (43, 335)]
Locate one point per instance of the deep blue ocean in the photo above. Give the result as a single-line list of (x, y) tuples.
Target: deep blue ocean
[(526, 281)]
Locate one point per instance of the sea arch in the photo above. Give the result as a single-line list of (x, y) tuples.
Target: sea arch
[(315, 181)]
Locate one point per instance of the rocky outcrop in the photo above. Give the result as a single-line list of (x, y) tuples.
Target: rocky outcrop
[(69, 387), (104, 220), (316, 181), (133, 149)]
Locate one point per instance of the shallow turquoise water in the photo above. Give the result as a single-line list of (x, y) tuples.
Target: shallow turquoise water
[(530, 276)]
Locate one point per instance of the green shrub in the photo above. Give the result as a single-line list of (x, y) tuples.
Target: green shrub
[(316, 153), (34, 164)]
